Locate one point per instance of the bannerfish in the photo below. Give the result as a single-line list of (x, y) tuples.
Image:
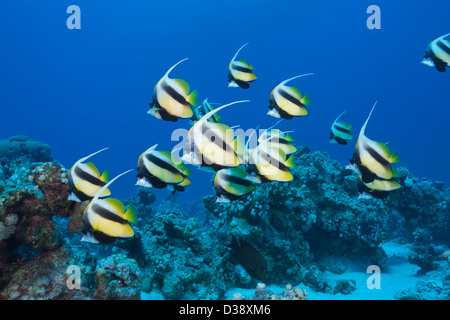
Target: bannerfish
[(373, 158), (85, 180), (231, 184), (377, 188), (157, 169), (269, 163), (249, 258), (287, 102), (171, 98), (340, 131), (213, 145), (203, 109), (106, 219), (437, 54), (275, 137), (239, 72)]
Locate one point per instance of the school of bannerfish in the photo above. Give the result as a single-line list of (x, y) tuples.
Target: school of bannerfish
[(211, 145)]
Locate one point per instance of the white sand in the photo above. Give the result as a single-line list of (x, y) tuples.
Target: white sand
[(401, 275)]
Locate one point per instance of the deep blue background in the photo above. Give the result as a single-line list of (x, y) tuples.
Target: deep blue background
[(82, 90)]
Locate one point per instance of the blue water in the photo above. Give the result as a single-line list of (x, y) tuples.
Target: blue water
[(82, 90)]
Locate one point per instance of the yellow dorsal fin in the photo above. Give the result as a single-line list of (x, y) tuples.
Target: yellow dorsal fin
[(92, 166), (297, 92), (131, 214), (116, 204), (183, 84), (244, 63)]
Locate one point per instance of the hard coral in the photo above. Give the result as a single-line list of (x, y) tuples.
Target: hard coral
[(117, 278), (18, 146)]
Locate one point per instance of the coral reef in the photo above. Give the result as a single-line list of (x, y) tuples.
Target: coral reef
[(306, 228), (262, 293), (18, 146), (117, 278), (424, 252)]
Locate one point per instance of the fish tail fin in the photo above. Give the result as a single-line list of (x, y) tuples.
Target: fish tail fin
[(290, 163), (192, 98), (306, 100), (394, 157), (131, 214), (105, 176)]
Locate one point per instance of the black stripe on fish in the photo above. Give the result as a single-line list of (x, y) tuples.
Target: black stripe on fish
[(274, 162), (174, 94), (103, 237), (154, 181), (377, 157), (237, 180), (218, 141), (290, 98), (106, 214), (338, 140), (283, 114), (83, 175), (341, 129), (241, 69), (443, 46), (161, 163)]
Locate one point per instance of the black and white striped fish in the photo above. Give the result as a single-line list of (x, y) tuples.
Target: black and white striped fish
[(239, 72), (372, 157), (157, 169), (85, 180), (106, 219), (213, 145), (378, 188), (287, 102), (437, 53), (282, 140), (231, 184), (269, 163), (340, 132), (171, 98)]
